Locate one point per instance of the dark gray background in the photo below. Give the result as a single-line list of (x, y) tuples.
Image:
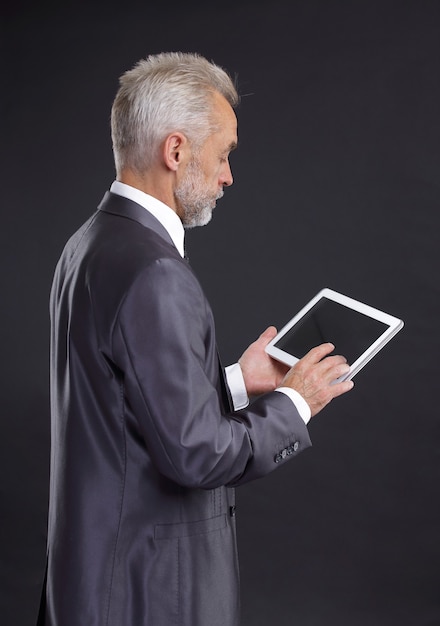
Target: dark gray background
[(336, 184)]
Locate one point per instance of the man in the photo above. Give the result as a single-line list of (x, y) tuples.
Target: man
[(149, 434)]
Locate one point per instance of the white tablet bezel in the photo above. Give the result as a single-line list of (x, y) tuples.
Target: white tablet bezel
[(394, 324)]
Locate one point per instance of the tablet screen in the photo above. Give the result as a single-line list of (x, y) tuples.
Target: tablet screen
[(350, 331)]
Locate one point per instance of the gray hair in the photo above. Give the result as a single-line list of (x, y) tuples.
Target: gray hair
[(164, 93)]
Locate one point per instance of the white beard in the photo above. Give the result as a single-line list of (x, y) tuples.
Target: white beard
[(196, 203)]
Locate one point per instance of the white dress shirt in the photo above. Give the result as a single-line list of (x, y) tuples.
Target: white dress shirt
[(173, 225)]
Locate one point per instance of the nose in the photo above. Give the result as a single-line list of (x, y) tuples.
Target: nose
[(226, 178)]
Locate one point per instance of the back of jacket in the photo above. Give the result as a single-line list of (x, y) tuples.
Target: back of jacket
[(141, 521)]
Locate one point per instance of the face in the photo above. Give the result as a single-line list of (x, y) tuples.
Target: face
[(208, 170)]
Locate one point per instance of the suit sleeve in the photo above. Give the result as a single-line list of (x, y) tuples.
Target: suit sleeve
[(164, 342)]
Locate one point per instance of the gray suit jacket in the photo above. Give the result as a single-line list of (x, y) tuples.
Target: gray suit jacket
[(145, 448)]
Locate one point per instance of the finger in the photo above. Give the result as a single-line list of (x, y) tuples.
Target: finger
[(318, 353), (339, 388), (338, 371), (331, 368), (330, 363), (327, 394)]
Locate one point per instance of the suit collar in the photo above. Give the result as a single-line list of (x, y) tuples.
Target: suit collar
[(117, 205)]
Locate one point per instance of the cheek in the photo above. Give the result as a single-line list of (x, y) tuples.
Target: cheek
[(218, 173), (213, 171), (211, 178)]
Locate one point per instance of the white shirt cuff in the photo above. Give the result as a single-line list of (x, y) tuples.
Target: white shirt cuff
[(301, 405), (235, 380)]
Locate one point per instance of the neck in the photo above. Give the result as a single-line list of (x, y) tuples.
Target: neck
[(156, 184)]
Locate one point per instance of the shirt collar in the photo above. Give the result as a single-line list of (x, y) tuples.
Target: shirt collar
[(163, 213)]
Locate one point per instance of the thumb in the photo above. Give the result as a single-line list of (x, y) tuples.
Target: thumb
[(268, 334)]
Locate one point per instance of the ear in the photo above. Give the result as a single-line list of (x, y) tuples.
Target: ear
[(176, 150)]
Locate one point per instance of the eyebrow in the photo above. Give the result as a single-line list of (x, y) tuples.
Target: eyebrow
[(232, 146)]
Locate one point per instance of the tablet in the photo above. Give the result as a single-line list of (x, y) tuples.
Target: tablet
[(358, 331)]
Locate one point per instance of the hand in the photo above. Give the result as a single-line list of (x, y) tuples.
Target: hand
[(261, 373), (313, 374)]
